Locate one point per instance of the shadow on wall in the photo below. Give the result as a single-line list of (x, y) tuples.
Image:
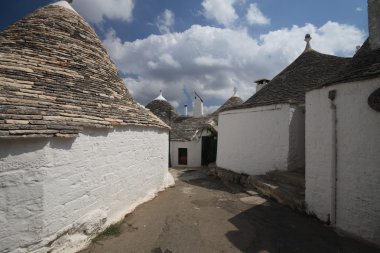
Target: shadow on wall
[(95, 132), (61, 143), (20, 146), (275, 228)]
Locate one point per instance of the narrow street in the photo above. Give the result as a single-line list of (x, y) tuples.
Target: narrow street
[(203, 214)]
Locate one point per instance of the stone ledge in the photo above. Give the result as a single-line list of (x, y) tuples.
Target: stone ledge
[(286, 194)]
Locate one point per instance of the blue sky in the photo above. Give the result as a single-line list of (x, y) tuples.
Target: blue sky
[(210, 46)]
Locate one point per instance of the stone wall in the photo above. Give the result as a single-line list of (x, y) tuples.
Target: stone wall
[(358, 159), (254, 140), (58, 193)]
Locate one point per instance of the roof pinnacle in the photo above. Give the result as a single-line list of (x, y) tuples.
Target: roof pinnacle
[(308, 39), (235, 92), (160, 97)]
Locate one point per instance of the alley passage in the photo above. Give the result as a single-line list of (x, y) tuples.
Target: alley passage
[(203, 214)]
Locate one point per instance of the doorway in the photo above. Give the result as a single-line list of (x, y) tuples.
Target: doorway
[(209, 145), (182, 156)]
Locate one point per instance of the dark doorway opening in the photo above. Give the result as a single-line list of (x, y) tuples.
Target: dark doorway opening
[(209, 145), (182, 156)]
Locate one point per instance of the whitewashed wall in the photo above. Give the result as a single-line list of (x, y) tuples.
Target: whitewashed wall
[(358, 158), (62, 191), (194, 152), (254, 140)]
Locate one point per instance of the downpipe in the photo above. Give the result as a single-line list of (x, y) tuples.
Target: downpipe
[(334, 160)]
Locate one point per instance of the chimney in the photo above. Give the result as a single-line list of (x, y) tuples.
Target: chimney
[(374, 23), (185, 108), (198, 106), (261, 83)]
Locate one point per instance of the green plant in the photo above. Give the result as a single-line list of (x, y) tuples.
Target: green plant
[(111, 230)]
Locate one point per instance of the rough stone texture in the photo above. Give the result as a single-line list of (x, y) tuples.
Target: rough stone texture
[(374, 23), (190, 128), (309, 70), (56, 78), (364, 65), (358, 160), (57, 193), (163, 109), (232, 101), (287, 188)]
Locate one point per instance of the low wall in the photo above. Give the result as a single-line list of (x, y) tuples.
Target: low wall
[(58, 193)]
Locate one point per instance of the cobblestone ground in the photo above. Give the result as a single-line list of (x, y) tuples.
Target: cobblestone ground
[(203, 214)]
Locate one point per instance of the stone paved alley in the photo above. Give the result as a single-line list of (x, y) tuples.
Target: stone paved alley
[(203, 214)]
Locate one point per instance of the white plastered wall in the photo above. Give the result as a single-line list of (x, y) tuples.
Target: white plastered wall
[(194, 151), (60, 192), (254, 140), (358, 159)]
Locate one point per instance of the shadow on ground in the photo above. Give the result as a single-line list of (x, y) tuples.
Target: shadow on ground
[(271, 227)]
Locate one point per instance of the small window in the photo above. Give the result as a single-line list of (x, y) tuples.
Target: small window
[(182, 156)]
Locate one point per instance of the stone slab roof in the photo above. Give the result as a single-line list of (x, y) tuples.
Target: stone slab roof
[(309, 70), (364, 65), (163, 109), (232, 101), (188, 128), (56, 78)]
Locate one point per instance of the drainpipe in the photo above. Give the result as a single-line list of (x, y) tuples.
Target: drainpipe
[(334, 160)]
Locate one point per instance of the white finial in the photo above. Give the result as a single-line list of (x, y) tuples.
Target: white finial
[(65, 4), (235, 92), (160, 97), (308, 39)]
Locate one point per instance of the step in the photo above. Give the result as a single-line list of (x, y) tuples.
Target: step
[(287, 177), (286, 194)]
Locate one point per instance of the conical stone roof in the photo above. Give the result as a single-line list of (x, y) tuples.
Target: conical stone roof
[(56, 78), (310, 70), (232, 101), (162, 109)]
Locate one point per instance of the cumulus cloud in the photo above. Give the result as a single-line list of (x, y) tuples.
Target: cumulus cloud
[(95, 11), (222, 11), (165, 21), (214, 60), (255, 16)]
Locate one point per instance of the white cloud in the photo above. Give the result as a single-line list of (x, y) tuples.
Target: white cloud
[(255, 16), (358, 9), (222, 11), (165, 21), (214, 60), (95, 11)]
